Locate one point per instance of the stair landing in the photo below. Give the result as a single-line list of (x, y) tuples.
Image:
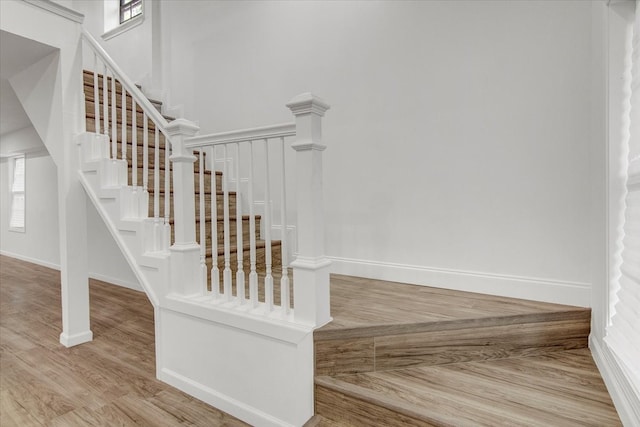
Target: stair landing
[(400, 354)]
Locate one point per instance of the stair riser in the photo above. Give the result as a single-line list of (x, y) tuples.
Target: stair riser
[(91, 127), (547, 333), (140, 145), (232, 231), (353, 411), (232, 204), (151, 175), (90, 97), (90, 111)]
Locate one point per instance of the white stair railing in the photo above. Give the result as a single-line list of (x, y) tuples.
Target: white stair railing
[(113, 119), (234, 264), (265, 178)]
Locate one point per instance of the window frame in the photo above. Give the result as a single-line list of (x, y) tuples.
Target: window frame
[(128, 5)]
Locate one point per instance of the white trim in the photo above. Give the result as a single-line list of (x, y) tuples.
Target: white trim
[(75, 339), (626, 401), (532, 288), (43, 263), (118, 282), (128, 256), (58, 9), (219, 400), (96, 276), (124, 27), (272, 326)]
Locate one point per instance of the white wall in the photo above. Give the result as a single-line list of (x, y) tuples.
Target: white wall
[(40, 242), (131, 50), (465, 124)]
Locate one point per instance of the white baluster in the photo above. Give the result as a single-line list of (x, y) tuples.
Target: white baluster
[(226, 273), (284, 280), (96, 94), (156, 188), (268, 280), (105, 100), (134, 144), (239, 239), (167, 191), (253, 275), (203, 222), (156, 174), (145, 153), (215, 272), (123, 108), (114, 120)]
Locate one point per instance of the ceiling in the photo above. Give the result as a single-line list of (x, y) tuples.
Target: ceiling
[(16, 54)]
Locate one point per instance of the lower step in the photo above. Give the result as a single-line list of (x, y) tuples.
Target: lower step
[(563, 388), (446, 342)]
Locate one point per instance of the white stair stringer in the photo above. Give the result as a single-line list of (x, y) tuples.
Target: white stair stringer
[(120, 207), (258, 368)]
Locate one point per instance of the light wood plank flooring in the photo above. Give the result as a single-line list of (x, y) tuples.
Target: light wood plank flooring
[(402, 355), (110, 381), (559, 389)]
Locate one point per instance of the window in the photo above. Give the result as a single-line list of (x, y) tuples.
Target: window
[(17, 180), (130, 9)]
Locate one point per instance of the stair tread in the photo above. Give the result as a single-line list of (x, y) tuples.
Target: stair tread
[(260, 244), (396, 305), (537, 390), (220, 219)]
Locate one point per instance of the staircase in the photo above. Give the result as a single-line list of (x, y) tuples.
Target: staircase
[(212, 186), (204, 223), (399, 355)]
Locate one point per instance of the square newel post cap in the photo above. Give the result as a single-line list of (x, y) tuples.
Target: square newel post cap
[(182, 127), (177, 131), (307, 103)]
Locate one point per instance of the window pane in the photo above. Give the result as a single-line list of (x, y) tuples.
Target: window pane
[(18, 174), (123, 2), (136, 10), (126, 14), (17, 211)]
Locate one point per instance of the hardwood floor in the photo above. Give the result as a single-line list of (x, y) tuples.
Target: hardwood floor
[(402, 355), (419, 363), (560, 389), (110, 381)]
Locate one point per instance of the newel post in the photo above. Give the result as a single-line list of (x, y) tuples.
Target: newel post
[(185, 252), (311, 267)]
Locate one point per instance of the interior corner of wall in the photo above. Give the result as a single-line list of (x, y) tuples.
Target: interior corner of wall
[(111, 14)]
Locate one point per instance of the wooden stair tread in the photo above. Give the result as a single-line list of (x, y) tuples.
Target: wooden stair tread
[(151, 191), (564, 388), (232, 218), (392, 303), (260, 244), (381, 326)]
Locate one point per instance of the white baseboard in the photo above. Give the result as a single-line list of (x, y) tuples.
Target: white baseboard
[(531, 288), (220, 401), (75, 339), (43, 263), (626, 400), (118, 282), (103, 278)]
